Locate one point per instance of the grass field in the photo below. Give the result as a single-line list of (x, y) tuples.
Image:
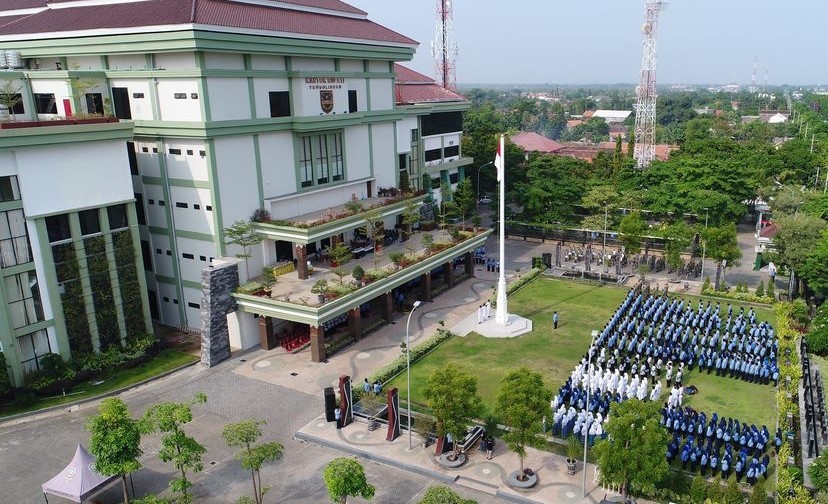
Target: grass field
[(166, 360), (582, 307)]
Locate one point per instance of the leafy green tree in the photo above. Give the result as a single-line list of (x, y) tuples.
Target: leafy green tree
[(522, 402), (633, 453), (453, 398), (183, 451), (631, 145), (554, 185), (465, 198), (798, 235), (339, 255), (5, 380), (722, 245), (760, 289), (815, 269), (758, 495), (632, 232), (677, 238), (345, 477), (787, 200), (244, 435), (732, 494), (816, 205), (115, 441), (441, 494), (241, 234)]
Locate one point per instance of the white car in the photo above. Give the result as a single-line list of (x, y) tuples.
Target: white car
[(485, 200)]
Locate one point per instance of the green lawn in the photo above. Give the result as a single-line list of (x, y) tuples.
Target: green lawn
[(166, 360), (582, 307)]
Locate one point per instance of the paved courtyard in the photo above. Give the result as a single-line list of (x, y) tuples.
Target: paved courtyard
[(286, 391)]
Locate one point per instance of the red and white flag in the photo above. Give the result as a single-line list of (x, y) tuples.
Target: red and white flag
[(499, 159)]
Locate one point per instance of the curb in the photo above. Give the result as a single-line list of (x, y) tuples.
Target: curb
[(443, 478), (61, 407)]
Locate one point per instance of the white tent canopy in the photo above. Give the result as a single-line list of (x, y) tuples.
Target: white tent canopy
[(78, 480)]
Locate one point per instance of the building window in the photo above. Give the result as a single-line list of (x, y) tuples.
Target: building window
[(16, 101), (179, 204), (194, 305), (14, 239), (202, 153), (453, 177), (451, 151), (279, 103), (159, 251), (414, 136), (155, 150), (94, 103), (147, 254), (145, 149), (45, 103), (90, 222), (117, 215), (196, 206), (189, 152), (137, 95), (9, 189), (57, 227), (440, 123), (133, 158), (23, 297), (202, 258), (194, 96), (432, 155), (209, 208), (32, 347), (352, 101), (139, 208), (180, 96), (151, 201), (321, 159), (162, 203), (177, 152), (175, 301), (403, 161), (187, 256), (169, 253)]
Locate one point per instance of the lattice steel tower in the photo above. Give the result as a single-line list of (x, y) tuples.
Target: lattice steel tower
[(443, 47), (645, 93)]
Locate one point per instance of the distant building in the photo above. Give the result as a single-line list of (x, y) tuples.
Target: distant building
[(612, 116), (588, 152), (530, 141)]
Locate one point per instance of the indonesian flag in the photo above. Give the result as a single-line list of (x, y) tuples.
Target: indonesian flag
[(498, 162)]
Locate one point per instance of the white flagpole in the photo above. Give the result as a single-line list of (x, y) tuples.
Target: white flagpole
[(502, 313)]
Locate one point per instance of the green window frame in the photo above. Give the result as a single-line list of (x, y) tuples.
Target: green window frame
[(321, 159)]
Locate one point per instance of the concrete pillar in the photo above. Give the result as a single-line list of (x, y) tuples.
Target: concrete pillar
[(425, 286), (267, 338), (317, 341), (469, 264), (448, 274), (336, 239), (387, 306), (355, 323), (301, 261)]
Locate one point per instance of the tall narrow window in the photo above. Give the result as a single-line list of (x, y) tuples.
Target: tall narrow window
[(57, 227), (306, 163), (23, 296), (352, 101), (9, 189), (90, 222), (14, 239), (32, 347), (133, 158), (94, 103), (337, 165), (321, 159)]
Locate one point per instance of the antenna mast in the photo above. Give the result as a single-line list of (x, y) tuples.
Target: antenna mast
[(444, 48), (753, 87), (645, 93)]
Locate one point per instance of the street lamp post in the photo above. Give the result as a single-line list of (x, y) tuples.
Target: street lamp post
[(589, 393), (408, 367), (704, 244), (491, 163)]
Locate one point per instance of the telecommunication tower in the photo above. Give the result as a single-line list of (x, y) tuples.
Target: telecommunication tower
[(645, 93), (443, 47), (753, 87)]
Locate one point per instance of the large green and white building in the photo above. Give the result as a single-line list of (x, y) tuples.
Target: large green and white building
[(291, 106)]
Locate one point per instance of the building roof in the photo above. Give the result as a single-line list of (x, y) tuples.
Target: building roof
[(612, 114), (309, 18), (413, 87), (530, 141), (589, 151)]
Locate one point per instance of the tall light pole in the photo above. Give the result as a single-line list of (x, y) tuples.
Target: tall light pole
[(589, 393), (704, 244), (491, 163), (408, 367)]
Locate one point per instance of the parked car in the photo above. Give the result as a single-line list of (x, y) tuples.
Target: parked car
[(485, 200)]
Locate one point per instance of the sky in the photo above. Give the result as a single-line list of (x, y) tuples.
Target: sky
[(599, 41)]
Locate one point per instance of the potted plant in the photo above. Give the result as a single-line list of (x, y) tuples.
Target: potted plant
[(573, 449), (359, 275), (320, 288)]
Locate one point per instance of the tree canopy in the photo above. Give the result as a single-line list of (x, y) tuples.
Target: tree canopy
[(632, 455), (453, 398), (521, 404), (345, 477), (115, 441)]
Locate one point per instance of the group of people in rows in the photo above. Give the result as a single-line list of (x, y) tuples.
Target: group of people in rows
[(718, 444), (650, 337), (491, 263)]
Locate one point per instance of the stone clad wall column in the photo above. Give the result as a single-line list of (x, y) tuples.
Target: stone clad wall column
[(301, 261), (317, 341), (217, 286)]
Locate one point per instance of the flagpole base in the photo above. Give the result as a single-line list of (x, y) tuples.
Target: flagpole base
[(502, 312)]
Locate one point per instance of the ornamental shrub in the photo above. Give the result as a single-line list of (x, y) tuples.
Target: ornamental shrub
[(5, 381)]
